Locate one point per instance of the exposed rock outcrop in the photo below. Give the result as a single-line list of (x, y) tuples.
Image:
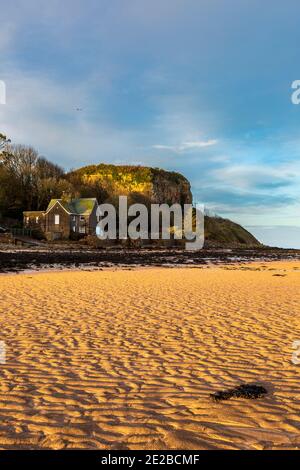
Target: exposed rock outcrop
[(152, 184)]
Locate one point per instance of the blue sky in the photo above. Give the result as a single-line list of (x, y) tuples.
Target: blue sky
[(197, 86)]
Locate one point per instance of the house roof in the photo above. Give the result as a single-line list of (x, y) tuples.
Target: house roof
[(80, 206), (33, 213)]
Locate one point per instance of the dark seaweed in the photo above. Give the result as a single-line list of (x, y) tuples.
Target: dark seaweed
[(248, 391)]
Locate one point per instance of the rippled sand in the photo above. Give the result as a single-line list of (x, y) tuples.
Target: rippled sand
[(127, 359)]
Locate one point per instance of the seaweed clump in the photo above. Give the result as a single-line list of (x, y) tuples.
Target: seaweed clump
[(248, 391)]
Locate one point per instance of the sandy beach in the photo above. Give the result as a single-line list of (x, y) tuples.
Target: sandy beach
[(127, 359)]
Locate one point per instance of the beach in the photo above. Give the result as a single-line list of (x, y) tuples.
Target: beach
[(127, 359)]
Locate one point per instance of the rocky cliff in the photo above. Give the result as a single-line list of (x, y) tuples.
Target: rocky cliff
[(149, 184)]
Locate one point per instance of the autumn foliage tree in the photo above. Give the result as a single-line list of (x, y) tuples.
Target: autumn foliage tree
[(27, 180)]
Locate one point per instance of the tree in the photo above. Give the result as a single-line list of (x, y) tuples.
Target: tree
[(46, 169), (3, 141), (49, 182), (20, 161), (48, 188), (35, 180)]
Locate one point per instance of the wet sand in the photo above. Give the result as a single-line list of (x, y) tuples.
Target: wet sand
[(128, 359)]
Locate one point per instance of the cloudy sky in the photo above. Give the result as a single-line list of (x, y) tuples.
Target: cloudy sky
[(197, 86)]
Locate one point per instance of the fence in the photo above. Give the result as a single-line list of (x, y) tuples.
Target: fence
[(21, 232)]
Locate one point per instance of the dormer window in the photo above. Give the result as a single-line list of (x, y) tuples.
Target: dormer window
[(56, 219)]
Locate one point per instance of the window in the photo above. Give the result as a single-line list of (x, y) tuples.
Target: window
[(82, 218), (37, 220), (56, 221), (81, 229)]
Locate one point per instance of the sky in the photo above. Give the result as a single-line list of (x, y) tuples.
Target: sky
[(202, 87)]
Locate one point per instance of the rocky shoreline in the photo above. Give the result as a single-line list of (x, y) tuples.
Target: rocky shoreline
[(18, 260)]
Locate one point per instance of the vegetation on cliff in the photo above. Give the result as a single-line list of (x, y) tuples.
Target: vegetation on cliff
[(224, 232), (153, 184)]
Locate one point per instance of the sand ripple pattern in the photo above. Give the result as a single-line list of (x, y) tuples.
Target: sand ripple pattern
[(127, 359)]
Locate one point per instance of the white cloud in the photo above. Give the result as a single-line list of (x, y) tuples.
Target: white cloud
[(198, 144), (185, 146), (246, 177)]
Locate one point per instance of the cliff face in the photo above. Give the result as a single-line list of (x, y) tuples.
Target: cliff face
[(149, 184), (170, 188)]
